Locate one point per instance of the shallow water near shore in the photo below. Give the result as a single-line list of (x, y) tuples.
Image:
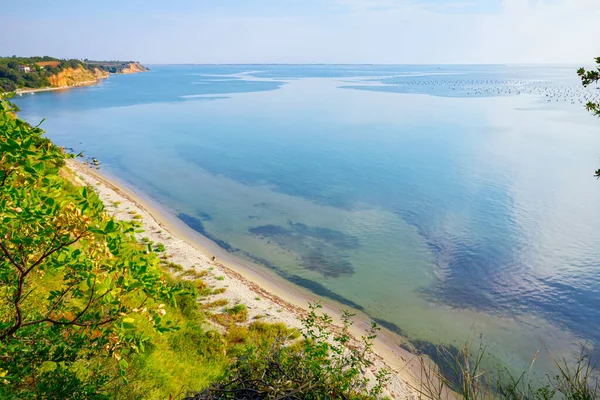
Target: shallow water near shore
[(439, 200)]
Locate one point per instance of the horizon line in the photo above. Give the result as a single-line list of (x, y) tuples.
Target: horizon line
[(367, 64)]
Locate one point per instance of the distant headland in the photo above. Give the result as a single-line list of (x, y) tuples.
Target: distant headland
[(31, 74)]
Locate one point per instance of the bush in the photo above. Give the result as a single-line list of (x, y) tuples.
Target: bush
[(324, 364)]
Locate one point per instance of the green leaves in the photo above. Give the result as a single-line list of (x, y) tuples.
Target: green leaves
[(128, 323), (47, 366), (69, 275), (589, 77), (326, 364)]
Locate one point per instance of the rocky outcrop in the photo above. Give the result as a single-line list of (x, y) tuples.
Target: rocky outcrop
[(99, 74), (76, 77), (133, 67)]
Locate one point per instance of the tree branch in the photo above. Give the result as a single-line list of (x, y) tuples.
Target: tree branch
[(6, 175), (49, 253), (17, 302), (12, 260)]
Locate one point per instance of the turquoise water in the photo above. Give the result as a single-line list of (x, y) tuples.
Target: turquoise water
[(440, 200)]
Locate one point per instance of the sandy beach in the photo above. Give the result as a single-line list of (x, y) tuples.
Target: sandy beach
[(20, 92), (263, 293)]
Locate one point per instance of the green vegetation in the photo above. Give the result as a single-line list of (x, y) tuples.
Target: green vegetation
[(114, 67), (88, 311), (322, 365), (460, 373), (588, 78), (13, 77), (33, 72)]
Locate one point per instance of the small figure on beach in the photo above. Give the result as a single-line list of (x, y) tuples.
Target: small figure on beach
[(214, 258)]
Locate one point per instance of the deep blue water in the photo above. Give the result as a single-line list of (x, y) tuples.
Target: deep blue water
[(438, 199)]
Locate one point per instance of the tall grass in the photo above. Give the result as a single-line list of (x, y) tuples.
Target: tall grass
[(458, 373)]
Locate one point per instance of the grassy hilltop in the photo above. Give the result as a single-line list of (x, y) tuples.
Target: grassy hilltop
[(40, 72)]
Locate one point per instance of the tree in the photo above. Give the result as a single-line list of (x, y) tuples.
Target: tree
[(72, 279), (588, 78), (6, 85)]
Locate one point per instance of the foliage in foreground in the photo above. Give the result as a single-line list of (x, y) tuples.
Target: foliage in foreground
[(71, 278), (323, 365), (590, 77)]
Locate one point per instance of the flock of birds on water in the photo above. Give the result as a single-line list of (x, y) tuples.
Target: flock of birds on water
[(550, 91)]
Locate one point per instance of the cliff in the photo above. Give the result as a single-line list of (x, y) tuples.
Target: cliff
[(133, 67), (76, 76), (117, 67), (31, 74)]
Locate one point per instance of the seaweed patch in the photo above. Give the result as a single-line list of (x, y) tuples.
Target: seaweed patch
[(204, 216), (318, 249), (196, 224)]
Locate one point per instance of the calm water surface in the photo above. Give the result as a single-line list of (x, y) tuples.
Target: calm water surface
[(440, 200)]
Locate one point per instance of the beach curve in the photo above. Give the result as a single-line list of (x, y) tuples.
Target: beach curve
[(266, 295)]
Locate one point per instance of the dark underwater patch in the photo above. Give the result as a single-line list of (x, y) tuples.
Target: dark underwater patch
[(270, 231), (333, 237), (319, 249), (317, 258), (315, 287), (192, 222), (204, 216), (329, 265), (390, 326), (321, 290), (311, 285), (196, 224)]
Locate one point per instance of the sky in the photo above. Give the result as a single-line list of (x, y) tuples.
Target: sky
[(305, 31)]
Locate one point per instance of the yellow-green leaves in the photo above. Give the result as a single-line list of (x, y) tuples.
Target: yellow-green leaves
[(47, 366), (69, 275), (128, 323)]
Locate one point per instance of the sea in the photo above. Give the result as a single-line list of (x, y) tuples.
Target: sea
[(446, 202)]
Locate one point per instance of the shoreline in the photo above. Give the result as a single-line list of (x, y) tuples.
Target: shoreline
[(20, 92), (263, 292)]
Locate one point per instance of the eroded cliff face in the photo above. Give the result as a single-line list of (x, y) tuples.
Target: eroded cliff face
[(76, 76), (134, 67)]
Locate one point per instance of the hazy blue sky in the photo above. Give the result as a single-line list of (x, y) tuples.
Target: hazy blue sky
[(304, 31)]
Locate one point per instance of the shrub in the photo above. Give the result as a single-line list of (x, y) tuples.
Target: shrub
[(323, 365)]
